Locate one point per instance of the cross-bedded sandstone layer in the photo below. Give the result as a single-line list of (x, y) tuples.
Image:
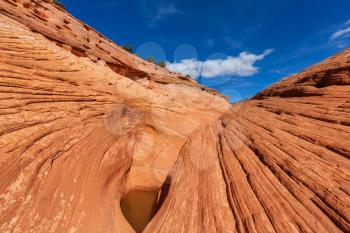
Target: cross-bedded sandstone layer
[(46, 18), (279, 162), (77, 133)]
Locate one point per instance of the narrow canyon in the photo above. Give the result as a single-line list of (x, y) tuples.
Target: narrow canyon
[(93, 139)]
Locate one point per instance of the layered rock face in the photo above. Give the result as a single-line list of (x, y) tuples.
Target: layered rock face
[(276, 163), (83, 122)]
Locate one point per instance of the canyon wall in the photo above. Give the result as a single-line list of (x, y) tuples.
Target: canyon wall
[(279, 162), (83, 122)]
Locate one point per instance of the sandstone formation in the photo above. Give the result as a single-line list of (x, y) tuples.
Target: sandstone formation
[(83, 122), (277, 163)]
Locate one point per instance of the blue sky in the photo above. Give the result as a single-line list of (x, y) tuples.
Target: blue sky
[(240, 46)]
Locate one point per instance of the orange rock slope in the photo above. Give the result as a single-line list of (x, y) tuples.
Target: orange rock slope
[(83, 122)]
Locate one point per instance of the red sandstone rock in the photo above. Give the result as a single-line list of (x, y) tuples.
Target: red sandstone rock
[(58, 26), (276, 163), (82, 122)]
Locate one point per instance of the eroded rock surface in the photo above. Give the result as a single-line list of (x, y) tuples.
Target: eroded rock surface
[(276, 163), (82, 122), (75, 135)]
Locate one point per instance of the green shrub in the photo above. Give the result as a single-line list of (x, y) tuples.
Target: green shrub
[(59, 4), (128, 47), (162, 64), (150, 59)]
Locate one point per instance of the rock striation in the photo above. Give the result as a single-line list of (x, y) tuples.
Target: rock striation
[(83, 122), (276, 163)]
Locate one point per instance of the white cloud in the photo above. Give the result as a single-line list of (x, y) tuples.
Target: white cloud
[(242, 65), (340, 33), (163, 12), (191, 67)]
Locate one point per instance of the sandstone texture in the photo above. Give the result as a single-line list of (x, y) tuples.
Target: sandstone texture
[(276, 163), (83, 122)]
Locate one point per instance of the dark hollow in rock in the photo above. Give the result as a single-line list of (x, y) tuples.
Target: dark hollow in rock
[(139, 207)]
